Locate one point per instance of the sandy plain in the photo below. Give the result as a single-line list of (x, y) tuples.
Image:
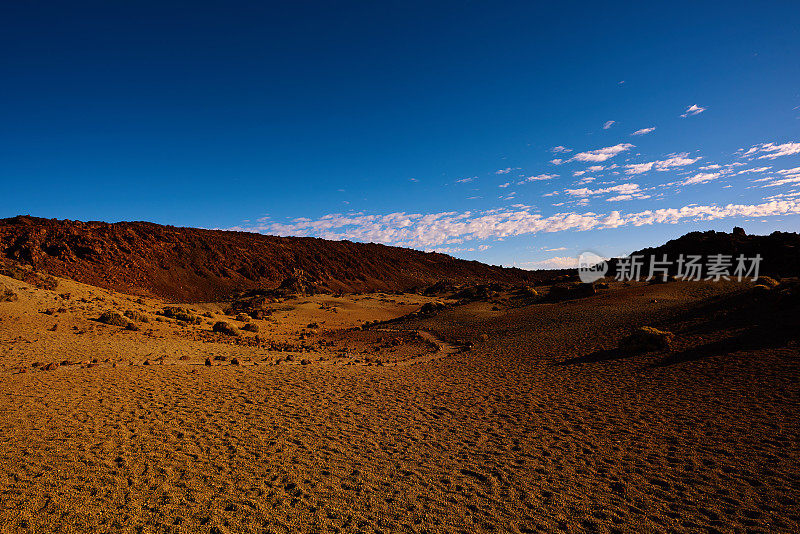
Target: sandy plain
[(541, 426)]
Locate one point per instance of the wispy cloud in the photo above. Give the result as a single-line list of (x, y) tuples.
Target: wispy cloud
[(756, 170), (560, 149), (504, 171), (602, 154), (789, 180), (788, 177), (608, 124), (694, 109), (466, 180), (537, 178), (772, 150), (701, 178), (644, 131), (677, 160), (627, 191)]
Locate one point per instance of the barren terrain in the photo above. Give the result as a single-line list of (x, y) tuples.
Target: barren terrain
[(487, 416)]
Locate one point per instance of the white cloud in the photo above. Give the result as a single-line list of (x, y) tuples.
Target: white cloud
[(537, 178), (677, 160), (772, 151), (784, 181), (504, 185), (694, 109), (504, 171), (555, 249), (622, 198), (759, 169), (644, 131), (626, 189), (601, 154), (560, 149), (701, 178), (466, 180), (556, 161), (558, 262), (639, 168), (608, 124)]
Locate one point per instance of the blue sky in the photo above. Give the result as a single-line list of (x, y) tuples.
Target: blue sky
[(435, 125)]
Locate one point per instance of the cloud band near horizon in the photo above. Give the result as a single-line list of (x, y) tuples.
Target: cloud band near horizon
[(434, 230)]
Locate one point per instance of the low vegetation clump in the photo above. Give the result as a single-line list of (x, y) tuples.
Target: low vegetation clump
[(113, 318), (646, 339), (250, 327), (180, 314), (430, 308), (30, 276), (6, 295), (138, 316), (244, 318), (221, 327)]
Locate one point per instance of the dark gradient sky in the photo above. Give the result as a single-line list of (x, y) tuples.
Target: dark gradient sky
[(217, 114)]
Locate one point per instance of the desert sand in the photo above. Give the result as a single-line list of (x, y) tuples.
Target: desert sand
[(487, 416)]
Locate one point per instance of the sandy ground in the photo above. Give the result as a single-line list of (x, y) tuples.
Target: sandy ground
[(541, 427)]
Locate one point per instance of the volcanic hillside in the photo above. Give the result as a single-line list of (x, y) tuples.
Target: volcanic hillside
[(779, 251), (190, 264)]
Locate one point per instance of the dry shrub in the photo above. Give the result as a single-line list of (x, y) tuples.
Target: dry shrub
[(221, 327), (134, 315), (646, 339), (180, 314), (113, 318), (6, 295)]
